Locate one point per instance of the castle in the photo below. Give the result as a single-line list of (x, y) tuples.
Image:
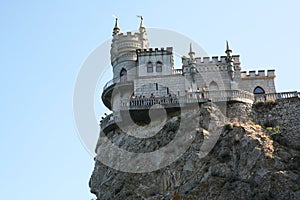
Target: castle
[(143, 77), (242, 156)]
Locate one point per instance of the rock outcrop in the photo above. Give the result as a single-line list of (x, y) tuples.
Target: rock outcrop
[(256, 156)]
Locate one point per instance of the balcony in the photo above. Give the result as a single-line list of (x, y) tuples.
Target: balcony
[(275, 96), (174, 102), (110, 86), (190, 97)]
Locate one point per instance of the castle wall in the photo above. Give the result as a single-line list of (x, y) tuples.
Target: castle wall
[(154, 56), (252, 80), (146, 86), (213, 73), (284, 113)]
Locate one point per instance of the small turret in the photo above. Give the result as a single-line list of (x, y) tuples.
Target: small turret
[(191, 53), (116, 29), (228, 50), (229, 60)]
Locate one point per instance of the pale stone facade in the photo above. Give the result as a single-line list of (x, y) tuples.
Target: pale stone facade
[(151, 73)]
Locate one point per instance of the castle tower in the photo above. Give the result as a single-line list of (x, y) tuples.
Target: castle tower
[(123, 60), (123, 51)]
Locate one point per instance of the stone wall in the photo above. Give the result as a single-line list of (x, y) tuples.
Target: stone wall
[(284, 113), (252, 80), (154, 55), (147, 85)]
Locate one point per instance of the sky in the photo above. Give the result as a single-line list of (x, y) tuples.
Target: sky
[(43, 45)]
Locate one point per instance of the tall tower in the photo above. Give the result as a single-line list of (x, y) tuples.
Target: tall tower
[(123, 57), (123, 51)]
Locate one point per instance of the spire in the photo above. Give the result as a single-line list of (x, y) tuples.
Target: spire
[(142, 25), (117, 27), (229, 60), (228, 50), (191, 53)]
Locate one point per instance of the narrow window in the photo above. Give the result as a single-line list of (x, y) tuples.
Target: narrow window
[(156, 84), (167, 90), (123, 75), (149, 67), (158, 66)]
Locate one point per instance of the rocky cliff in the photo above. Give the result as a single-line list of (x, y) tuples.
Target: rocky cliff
[(256, 156)]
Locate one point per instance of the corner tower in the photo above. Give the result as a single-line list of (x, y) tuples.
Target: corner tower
[(123, 55), (123, 51)]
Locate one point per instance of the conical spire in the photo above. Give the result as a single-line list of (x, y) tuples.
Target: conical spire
[(117, 27), (191, 53), (228, 50)]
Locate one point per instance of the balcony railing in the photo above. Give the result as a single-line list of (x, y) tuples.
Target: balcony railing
[(177, 71), (194, 97), (114, 81), (190, 97), (275, 96)]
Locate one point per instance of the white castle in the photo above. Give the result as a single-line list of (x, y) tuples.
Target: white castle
[(143, 76)]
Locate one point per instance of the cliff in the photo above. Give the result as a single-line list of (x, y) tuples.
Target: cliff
[(256, 156)]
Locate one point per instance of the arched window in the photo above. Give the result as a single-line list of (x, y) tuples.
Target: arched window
[(123, 75), (149, 67), (158, 66), (213, 86), (259, 90)]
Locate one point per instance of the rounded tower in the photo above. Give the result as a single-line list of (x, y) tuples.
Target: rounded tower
[(123, 55), (123, 51)]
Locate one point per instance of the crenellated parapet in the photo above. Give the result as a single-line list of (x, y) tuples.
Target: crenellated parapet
[(155, 51), (258, 74), (123, 43), (217, 60), (155, 61)]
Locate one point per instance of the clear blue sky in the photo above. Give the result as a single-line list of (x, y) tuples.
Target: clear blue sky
[(44, 43)]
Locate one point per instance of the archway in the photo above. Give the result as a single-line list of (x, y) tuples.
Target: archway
[(259, 90), (123, 75), (213, 86)]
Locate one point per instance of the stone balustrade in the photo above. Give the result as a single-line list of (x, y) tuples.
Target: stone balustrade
[(177, 71), (190, 97), (275, 96), (195, 97)]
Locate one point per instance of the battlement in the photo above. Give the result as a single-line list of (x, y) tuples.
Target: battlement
[(259, 73), (216, 60), (128, 34), (155, 51)]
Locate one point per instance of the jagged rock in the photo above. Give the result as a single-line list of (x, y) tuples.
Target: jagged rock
[(247, 162)]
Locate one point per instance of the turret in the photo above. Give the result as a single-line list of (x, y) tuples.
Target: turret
[(229, 61), (116, 29), (189, 64), (124, 46)]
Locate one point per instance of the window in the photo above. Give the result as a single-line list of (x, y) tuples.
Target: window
[(158, 66), (149, 67), (123, 75), (258, 90), (213, 86)]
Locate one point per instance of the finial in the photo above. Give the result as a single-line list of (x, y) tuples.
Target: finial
[(191, 48), (142, 25), (117, 27), (191, 53), (228, 50)]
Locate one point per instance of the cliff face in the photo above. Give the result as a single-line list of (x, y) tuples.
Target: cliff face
[(256, 156)]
